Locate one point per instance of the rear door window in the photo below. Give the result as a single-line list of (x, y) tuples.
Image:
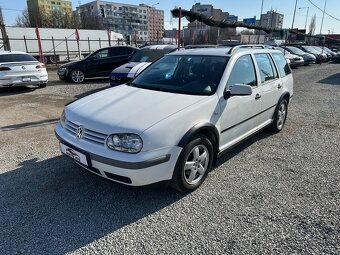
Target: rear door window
[(282, 64), (266, 67)]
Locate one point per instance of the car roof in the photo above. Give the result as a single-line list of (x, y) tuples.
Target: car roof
[(160, 47), (12, 52), (225, 51)]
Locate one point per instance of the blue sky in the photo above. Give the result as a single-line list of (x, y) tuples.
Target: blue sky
[(241, 8)]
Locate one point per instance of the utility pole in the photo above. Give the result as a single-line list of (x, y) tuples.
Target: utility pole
[(323, 14), (294, 14), (5, 39)]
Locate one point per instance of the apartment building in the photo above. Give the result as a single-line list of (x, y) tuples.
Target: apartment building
[(141, 20)]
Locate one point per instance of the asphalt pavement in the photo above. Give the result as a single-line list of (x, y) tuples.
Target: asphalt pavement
[(273, 194)]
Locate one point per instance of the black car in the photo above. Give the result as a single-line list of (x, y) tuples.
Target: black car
[(98, 64)]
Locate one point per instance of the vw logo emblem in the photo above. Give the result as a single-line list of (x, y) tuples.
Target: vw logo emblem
[(79, 132), (23, 67)]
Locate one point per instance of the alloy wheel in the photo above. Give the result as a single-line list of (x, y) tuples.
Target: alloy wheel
[(196, 164), (77, 76)]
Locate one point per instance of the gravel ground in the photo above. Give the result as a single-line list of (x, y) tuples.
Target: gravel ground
[(274, 194)]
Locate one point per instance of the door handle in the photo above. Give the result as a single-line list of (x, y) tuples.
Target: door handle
[(279, 86), (257, 97)]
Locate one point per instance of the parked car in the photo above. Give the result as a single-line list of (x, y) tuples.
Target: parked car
[(335, 57), (320, 57), (20, 69), (139, 62), (294, 60), (307, 57), (173, 120), (98, 64), (321, 50)]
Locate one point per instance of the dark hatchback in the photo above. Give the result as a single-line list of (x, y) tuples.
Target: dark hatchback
[(98, 64)]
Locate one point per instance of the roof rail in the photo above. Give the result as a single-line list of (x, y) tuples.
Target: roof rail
[(246, 46)]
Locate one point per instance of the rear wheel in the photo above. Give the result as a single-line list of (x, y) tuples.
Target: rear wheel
[(193, 164), (280, 116), (77, 76)]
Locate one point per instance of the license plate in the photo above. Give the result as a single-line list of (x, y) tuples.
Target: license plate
[(26, 78), (74, 154)]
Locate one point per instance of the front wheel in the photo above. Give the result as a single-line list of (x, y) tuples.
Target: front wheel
[(280, 116), (77, 76), (193, 164)]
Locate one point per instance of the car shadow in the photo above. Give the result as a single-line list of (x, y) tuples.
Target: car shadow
[(54, 206), (229, 154), (9, 91), (29, 124), (333, 79)]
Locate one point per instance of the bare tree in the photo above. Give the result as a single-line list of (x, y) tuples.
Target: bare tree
[(89, 21), (23, 20), (312, 25)]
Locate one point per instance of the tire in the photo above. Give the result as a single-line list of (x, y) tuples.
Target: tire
[(42, 85), (280, 116), (192, 166), (53, 59), (77, 76)]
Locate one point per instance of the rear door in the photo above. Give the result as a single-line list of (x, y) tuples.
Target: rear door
[(270, 84), (240, 113)]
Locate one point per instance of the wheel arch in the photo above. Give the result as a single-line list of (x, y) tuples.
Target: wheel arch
[(207, 129)]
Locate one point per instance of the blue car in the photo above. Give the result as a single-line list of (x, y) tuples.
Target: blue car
[(142, 59)]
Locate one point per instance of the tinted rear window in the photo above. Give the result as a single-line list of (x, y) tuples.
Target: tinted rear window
[(15, 58)]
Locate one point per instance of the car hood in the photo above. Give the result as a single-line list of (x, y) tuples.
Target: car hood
[(127, 109), (130, 69)]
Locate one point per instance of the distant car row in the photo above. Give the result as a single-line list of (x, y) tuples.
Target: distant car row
[(123, 63)]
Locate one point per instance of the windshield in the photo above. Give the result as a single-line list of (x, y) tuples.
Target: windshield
[(149, 55), (194, 75), (310, 49), (296, 50)]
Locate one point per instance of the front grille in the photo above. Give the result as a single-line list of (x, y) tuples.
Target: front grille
[(88, 134)]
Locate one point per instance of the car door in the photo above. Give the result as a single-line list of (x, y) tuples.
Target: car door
[(97, 64), (239, 114), (270, 84), (119, 56)]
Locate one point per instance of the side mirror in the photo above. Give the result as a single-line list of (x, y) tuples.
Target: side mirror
[(238, 90)]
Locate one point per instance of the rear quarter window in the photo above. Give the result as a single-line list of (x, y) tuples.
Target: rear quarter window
[(4, 58), (282, 64)]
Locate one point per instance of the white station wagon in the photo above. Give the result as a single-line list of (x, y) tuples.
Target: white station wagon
[(173, 120)]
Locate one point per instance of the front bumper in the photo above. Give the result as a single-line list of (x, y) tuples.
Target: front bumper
[(132, 169)]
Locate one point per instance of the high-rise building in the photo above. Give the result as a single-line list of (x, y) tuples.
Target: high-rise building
[(200, 33), (48, 13), (141, 20), (271, 19)]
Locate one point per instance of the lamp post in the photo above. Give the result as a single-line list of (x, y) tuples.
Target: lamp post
[(307, 14)]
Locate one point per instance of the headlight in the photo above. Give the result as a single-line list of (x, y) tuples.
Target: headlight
[(63, 118), (62, 69), (130, 143)]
